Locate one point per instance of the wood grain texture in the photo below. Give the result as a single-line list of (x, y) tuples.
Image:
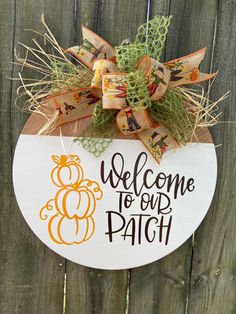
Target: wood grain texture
[(199, 277), (213, 278), (163, 286), (32, 276), (91, 290), (192, 28)]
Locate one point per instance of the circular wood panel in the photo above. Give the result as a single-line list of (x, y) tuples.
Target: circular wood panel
[(143, 212)]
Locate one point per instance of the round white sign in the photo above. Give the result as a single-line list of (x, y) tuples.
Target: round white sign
[(116, 211)]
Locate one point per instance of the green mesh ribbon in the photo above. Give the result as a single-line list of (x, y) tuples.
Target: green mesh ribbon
[(170, 111), (96, 141), (153, 35), (95, 146), (127, 56), (150, 40), (102, 118), (96, 138), (137, 93)]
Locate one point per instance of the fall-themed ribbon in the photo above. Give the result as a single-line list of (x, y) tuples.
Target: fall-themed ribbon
[(129, 93)]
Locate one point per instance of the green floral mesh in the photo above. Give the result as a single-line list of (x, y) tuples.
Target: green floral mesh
[(127, 56), (96, 138), (153, 35), (102, 118), (150, 40), (95, 146), (137, 93), (170, 111)]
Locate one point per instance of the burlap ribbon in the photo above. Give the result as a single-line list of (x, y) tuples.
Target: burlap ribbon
[(110, 86)]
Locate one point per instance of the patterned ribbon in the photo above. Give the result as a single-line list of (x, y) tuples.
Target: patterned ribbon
[(110, 86)]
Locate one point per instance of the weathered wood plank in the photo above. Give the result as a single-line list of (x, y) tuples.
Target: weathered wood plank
[(163, 287), (95, 291), (90, 290), (192, 28), (213, 285), (31, 275)]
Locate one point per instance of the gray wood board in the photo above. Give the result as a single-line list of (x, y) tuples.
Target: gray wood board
[(32, 276), (164, 286), (199, 277), (91, 290), (213, 277)]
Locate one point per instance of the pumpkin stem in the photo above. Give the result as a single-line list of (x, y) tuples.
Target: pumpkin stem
[(63, 160)]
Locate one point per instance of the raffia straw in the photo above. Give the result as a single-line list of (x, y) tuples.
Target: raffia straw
[(201, 107), (58, 73), (50, 125), (36, 107)]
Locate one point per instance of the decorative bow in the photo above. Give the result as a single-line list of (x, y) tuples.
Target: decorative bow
[(130, 93)]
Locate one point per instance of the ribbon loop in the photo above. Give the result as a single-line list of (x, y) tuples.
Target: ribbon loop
[(157, 75), (114, 91), (73, 105), (130, 121), (93, 48)]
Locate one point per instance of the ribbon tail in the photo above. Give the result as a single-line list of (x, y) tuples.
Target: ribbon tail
[(185, 70), (157, 141)]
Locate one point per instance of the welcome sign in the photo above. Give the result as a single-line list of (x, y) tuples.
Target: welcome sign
[(116, 211), (135, 189)]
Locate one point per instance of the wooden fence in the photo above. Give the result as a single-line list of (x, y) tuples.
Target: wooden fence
[(199, 277)]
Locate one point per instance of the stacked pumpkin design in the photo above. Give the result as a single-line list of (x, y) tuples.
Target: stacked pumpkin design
[(70, 212)]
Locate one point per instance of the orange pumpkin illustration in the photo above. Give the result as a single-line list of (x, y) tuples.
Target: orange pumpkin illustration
[(69, 213), (70, 231), (67, 171), (75, 202)]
